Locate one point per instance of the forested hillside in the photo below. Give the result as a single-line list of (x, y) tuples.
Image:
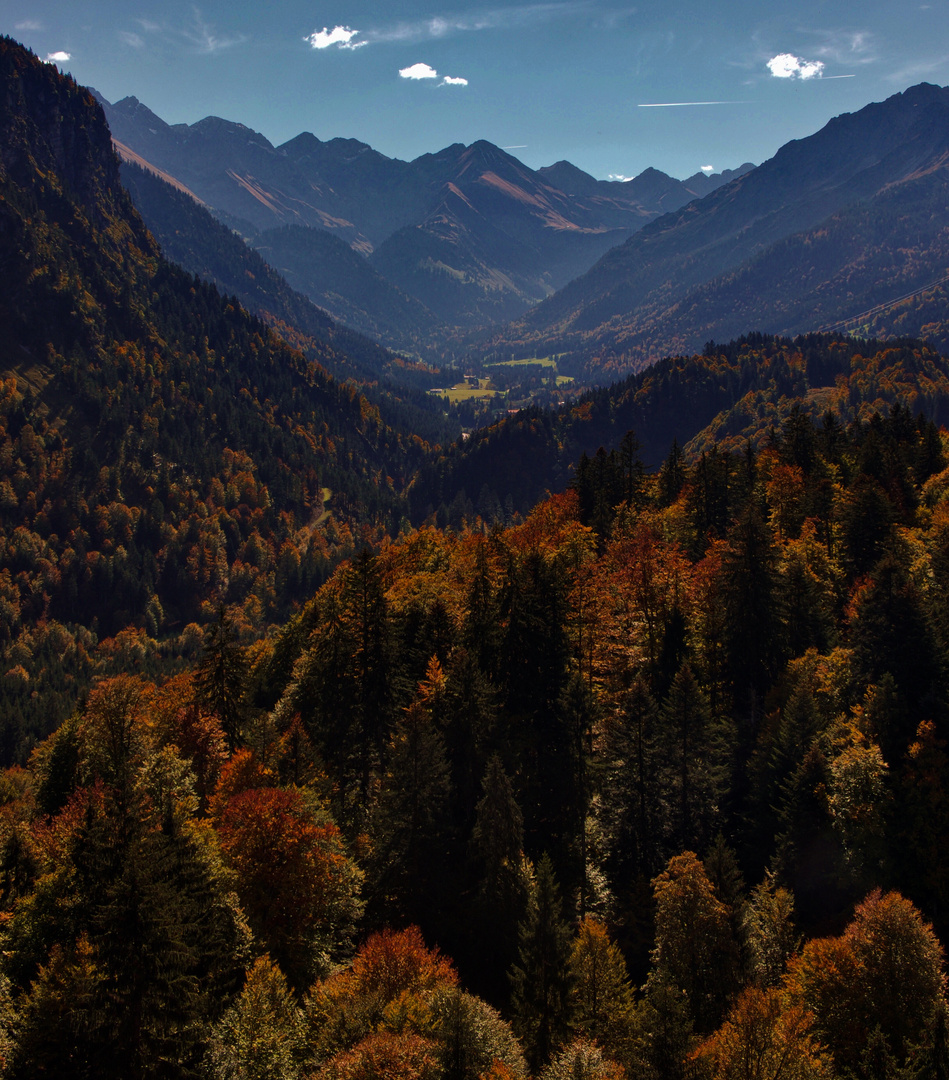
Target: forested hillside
[(728, 394), (682, 732), (192, 238), (162, 450), (647, 782)]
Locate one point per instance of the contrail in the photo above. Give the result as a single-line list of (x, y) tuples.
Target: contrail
[(677, 104)]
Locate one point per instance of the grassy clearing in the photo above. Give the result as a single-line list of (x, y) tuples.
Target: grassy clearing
[(537, 361), (463, 392)]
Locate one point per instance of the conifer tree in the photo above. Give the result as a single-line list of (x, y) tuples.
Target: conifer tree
[(694, 754), (753, 625), (262, 1035), (409, 822), (221, 677), (629, 766), (601, 998), (497, 844), (540, 978)]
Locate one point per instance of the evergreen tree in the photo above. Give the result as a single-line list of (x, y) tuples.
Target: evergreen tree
[(629, 763), (409, 821), (693, 753), (497, 843), (672, 475), (262, 1035), (540, 978), (221, 677), (753, 624), (367, 618)]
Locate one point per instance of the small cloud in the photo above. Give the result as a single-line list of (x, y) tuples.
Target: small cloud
[(451, 81), (58, 57), (28, 24), (619, 176), (418, 71), (340, 36), (134, 41), (708, 169), (788, 66)]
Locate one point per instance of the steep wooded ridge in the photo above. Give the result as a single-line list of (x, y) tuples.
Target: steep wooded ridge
[(162, 449), (830, 227), (192, 238), (470, 233)]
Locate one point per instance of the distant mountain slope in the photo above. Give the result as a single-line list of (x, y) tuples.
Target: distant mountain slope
[(195, 240), (651, 187), (471, 233), (855, 271), (616, 311), (163, 451), (723, 396), (327, 270)]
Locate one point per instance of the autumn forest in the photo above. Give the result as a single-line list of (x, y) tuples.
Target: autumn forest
[(611, 742)]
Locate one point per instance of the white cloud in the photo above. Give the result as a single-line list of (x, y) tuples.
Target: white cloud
[(619, 176), (134, 41), (708, 169), (450, 80), (788, 66), (341, 36), (418, 71), (28, 24), (58, 57)]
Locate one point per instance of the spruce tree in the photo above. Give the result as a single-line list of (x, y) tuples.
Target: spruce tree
[(540, 979), (221, 677)]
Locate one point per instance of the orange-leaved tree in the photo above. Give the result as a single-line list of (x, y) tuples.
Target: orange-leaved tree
[(881, 980), (294, 879)]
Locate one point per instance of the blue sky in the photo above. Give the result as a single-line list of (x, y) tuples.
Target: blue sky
[(606, 85)]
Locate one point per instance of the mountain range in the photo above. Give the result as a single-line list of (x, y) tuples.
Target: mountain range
[(847, 220), (843, 229), (470, 232)]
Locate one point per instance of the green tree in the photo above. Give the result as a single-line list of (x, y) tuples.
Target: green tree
[(601, 999), (693, 752), (409, 820), (540, 978), (497, 845), (221, 677), (629, 764), (768, 933), (753, 625), (262, 1035)]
